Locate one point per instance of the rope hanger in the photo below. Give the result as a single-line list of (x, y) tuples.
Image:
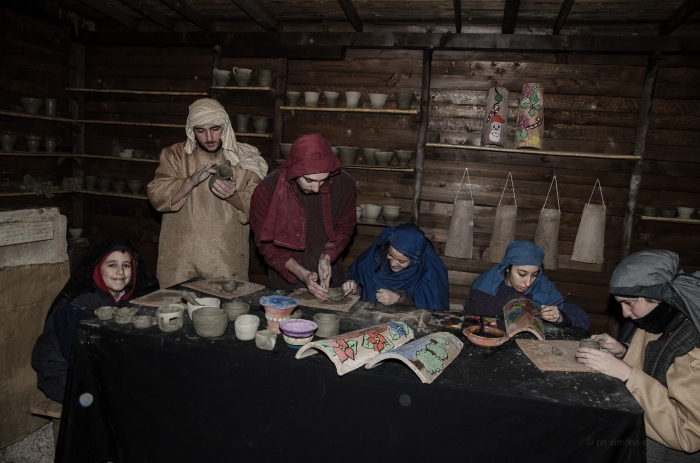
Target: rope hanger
[(510, 176), (466, 172), (556, 186), (597, 182)]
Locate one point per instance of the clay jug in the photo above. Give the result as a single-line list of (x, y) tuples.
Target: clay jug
[(221, 77), (242, 76)]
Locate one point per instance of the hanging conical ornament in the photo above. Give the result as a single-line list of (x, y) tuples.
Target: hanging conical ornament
[(590, 237), (460, 237), (547, 234), (503, 227)]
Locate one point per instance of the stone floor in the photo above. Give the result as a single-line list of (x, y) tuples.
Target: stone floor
[(37, 447)]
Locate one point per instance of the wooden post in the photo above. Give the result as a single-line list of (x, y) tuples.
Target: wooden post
[(280, 94), (216, 63), (639, 144), (422, 133), (76, 78)]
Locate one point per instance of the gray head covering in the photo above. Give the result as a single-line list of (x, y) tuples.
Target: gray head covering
[(655, 274)]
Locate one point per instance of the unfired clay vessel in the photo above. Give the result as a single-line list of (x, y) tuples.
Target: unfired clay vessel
[(235, 309), (264, 77), (124, 315), (403, 99), (293, 98), (210, 322), (119, 186), (352, 99), (223, 172), (390, 214), (104, 313), (372, 212), (328, 324), (246, 326), (589, 343), (143, 321), (383, 158), (242, 76), (170, 317), (331, 99), (221, 77), (202, 302), (229, 286), (404, 157), (265, 339), (8, 142), (377, 100), (311, 99), (370, 159)]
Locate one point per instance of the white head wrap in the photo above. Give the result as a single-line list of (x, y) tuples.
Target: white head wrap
[(210, 112)]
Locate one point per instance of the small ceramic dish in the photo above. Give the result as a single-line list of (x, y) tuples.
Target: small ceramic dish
[(492, 337), (298, 332), (229, 286), (296, 343)]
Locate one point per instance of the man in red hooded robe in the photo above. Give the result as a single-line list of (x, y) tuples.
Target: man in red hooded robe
[(303, 215)]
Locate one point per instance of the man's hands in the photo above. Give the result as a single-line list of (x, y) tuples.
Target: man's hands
[(324, 270), (224, 189), (202, 173)]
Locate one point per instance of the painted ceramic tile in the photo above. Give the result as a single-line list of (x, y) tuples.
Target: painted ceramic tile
[(427, 357), (521, 315), (352, 350), (530, 126)]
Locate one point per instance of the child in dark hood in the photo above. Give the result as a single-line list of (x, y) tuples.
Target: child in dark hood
[(111, 275)]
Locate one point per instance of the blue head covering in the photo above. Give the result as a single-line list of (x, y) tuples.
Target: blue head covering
[(425, 280), (522, 252)]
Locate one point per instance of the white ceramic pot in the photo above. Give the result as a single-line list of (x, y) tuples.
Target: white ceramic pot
[(377, 100), (311, 99), (372, 212), (246, 326), (685, 212), (352, 99)]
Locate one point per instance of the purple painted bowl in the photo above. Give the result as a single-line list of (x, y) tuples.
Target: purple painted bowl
[(298, 328)]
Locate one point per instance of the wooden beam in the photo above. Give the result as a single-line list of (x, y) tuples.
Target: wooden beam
[(76, 78), (258, 13), (155, 15), (510, 16), (191, 14), (350, 11), (679, 16), (563, 13), (639, 144), (422, 135), (458, 16), (52, 11), (101, 7), (280, 94)]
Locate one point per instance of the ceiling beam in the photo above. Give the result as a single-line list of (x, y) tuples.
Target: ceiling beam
[(101, 7), (510, 16), (52, 11), (563, 13), (258, 13), (155, 15), (351, 13), (191, 14), (679, 16), (458, 16)]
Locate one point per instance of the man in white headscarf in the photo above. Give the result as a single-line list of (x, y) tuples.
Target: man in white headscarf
[(205, 232)]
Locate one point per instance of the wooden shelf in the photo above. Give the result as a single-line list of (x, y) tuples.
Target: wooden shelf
[(253, 89), (36, 116), (537, 152), (117, 195), (72, 155), (31, 193), (378, 223), (136, 92), (366, 167), (669, 219), (404, 112)]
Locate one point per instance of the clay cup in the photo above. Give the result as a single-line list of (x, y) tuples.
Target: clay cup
[(210, 322), (104, 313), (236, 309), (143, 321), (265, 339), (229, 286), (246, 326), (328, 324), (170, 317)]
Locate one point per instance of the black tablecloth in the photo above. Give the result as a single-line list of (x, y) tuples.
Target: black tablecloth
[(148, 396)]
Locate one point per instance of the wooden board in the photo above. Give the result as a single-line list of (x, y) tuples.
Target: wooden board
[(160, 298), (48, 408), (213, 287), (306, 299), (540, 352), (25, 232)]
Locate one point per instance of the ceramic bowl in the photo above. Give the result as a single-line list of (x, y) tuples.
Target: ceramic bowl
[(328, 324), (265, 339), (143, 321), (229, 286), (668, 213), (170, 317), (372, 212), (589, 343), (296, 343), (298, 328), (75, 232), (210, 322), (404, 157), (236, 309), (493, 336), (125, 315), (685, 212), (390, 214), (31, 105), (203, 302), (293, 98), (331, 99), (377, 100), (352, 99), (246, 327), (104, 313), (134, 186), (284, 149), (649, 211), (311, 99), (383, 157), (403, 99), (119, 186)]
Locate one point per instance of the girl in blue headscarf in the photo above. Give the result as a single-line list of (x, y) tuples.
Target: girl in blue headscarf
[(402, 268), (520, 273)]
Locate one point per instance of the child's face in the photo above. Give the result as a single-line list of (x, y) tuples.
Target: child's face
[(116, 271)]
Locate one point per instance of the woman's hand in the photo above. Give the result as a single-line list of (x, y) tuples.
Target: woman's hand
[(351, 286), (611, 344), (387, 297), (551, 314), (604, 362)]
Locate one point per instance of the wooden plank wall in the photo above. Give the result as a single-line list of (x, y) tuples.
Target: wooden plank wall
[(34, 64)]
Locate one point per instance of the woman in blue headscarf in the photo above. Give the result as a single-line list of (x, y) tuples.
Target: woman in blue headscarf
[(520, 273), (402, 268)]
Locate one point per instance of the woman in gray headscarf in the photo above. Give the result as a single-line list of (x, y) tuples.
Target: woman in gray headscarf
[(661, 365)]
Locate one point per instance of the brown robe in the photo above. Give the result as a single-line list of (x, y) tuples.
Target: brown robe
[(201, 235)]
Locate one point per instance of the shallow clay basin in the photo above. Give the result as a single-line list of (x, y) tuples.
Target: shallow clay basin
[(492, 337)]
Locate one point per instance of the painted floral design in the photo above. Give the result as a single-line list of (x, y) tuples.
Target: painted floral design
[(376, 342), (398, 329), (342, 349), (527, 93), (530, 101), (523, 122)]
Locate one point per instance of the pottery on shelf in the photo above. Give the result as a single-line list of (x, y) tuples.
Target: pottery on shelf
[(404, 157), (75, 232), (433, 136), (264, 77), (138, 154), (370, 159), (277, 309), (221, 77), (90, 182), (668, 213), (364, 211), (491, 336), (104, 313), (210, 322), (170, 317), (589, 343), (335, 150), (685, 212), (284, 149), (143, 321), (242, 123), (390, 214), (31, 105), (229, 286), (235, 309), (297, 333), (123, 315), (119, 186), (260, 124), (50, 143), (103, 184), (403, 99), (126, 153), (352, 350), (246, 326), (50, 106), (372, 212), (265, 339), (242, 76), (377, 100), (8, 142), (383, 158), (311, 99), (347, 155), (116, 150), (331, 99), (352, 99), (649, 211), (359, 210), (134, 186), (33, 142), (202, 302), (293, 98), (328, 324)]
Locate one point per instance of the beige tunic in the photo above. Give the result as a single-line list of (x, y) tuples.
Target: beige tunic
[(671, 416), (201, 235)]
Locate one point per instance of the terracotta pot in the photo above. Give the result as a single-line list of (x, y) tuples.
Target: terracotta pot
[(377, 100), (170, 318), (265, 339), (383, 158), (404, 157), (331, 99), (277, 309), (347, 155), (31, 105), (293, 98), (352, 99), (492, 337), (311, 99), (328, 324), (242, 76), (403, 99), (246, 326), (235, 309), (210, 322)]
